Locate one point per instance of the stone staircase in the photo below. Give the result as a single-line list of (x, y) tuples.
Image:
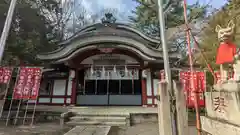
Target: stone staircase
[(89, 130), (100, 119)]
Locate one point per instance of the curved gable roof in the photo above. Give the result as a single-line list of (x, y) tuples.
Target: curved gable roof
[(122, 36), (118, 29)]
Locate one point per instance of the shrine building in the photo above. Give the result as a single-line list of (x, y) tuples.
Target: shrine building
[(104, 64)]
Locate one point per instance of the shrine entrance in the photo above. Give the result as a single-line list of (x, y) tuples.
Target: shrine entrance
[(109, 63), (109, 79)]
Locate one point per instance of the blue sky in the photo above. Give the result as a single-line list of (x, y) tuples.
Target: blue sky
[(214, 3), (126, 6), (121, 5)]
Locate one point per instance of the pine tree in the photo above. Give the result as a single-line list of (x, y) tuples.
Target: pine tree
[(146, 15)]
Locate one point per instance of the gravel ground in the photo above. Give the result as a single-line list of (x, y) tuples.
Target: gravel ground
[(143, 129), (41, 129), (55, 129)]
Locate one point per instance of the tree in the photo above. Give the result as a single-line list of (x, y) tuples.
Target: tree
[(37, 27), (209, 41), (28, 34), (146, 19), (146, 15)]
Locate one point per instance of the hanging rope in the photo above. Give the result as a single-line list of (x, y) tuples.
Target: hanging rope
[(191, 68), (197, 46)]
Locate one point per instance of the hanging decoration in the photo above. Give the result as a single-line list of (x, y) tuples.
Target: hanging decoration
[(101, 73), (103, 69), (98, 74), (92, 70), (114, 69), (121, 73), (126, 70)]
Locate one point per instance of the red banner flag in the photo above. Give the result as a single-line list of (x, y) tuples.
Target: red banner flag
[(28, 83), (5, 75), (199, 87), (199, 81)]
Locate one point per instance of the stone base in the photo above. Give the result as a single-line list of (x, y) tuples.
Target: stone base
[(230, 86), (223, 105), (215, 127), (144, 118)]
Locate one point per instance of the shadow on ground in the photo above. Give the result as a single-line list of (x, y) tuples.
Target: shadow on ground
[(40, 129), (143, 129)]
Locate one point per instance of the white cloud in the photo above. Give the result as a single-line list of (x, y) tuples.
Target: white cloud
[(96, 5), (116, 4), (88, 5), (123, 8)]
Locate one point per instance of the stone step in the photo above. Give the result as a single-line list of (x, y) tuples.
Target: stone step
[(99, 118), (88, 130), (95, 123), (103, 114)]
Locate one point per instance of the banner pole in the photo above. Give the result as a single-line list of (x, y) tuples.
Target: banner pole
[(26, 109), (17, 114), (19, 104), (29, 97), (9, 111), (10, 107), (34, 110), (35, 106)]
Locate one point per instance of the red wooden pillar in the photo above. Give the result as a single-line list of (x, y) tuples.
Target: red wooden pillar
[(74, 88), (152, 85), (142, 74), (144, 92), (66, 91)]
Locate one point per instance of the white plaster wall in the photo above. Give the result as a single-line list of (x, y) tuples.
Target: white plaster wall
[(155, 86), (69, 88), (149, 86), (58, 100), (44, 100), (31, 101), (59, 87)]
